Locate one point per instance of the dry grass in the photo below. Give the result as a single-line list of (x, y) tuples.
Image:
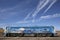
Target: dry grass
[(32, 38), (58, 33)]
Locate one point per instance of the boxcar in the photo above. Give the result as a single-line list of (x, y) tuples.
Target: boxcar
[(30, 31)]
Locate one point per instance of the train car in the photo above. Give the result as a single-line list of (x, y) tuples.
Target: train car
[(30, 31)]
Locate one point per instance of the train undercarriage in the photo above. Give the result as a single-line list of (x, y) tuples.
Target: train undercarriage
[(29, 35)]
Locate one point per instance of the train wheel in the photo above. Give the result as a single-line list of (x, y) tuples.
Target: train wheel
[(7, 35), (49, 35), (20, 35), (43, 35), (39, 35), (35, 35), (13, 35)]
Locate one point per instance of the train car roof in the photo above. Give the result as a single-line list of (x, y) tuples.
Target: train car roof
[(27, 26)]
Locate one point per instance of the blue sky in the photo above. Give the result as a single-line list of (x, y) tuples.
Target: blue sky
[(30, 13)]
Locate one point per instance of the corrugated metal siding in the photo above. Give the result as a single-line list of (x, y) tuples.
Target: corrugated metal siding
[(36, 29)]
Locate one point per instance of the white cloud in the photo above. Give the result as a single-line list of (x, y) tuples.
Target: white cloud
[(40, 6), (50, 16), (53, 1), (7, 15), (8, 9), (22, 22), (28, 15)]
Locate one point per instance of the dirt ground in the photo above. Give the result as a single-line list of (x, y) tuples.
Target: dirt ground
[(32, 38), (58, 33)]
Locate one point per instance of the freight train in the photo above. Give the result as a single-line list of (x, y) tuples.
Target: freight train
[(30, 31)]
